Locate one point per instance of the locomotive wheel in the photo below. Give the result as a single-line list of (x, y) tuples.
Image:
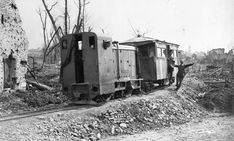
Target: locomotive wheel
[(103, 98), (136, 91), (122, 94), (119, 94), (146, 87), (128, 94), (163, 82)]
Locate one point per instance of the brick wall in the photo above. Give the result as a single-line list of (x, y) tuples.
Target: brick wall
[(13, 47)]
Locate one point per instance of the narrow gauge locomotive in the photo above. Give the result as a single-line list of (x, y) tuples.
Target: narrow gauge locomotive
[(94, 67)]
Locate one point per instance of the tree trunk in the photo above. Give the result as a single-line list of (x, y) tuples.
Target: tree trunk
[(51, 17), (39, 85), (65, 16)]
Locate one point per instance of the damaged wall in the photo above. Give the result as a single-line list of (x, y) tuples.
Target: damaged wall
[(13, 47)]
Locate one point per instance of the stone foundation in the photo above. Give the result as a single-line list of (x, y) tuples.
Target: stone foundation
[(13, 47)]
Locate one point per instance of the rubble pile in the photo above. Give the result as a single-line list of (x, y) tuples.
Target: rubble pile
[(219, 100), (49, 75), (41, 98), (132, 115), (192, 87), (21, 101), (34, 99), (9, 103), (219, 95)]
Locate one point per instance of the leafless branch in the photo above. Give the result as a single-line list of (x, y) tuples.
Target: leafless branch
[(52, 6), (51, 17), (44, 25)]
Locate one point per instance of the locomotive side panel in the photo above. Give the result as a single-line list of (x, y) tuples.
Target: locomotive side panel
[(106, 63), (67, 53), (127, 63), (90, 55)]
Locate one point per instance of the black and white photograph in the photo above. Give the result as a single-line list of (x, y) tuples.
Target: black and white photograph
[(116, 70)]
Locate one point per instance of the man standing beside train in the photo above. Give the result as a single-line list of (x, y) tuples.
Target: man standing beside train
[(170, 67), (181, 73)]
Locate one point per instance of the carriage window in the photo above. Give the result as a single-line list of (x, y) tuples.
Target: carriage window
[(163, 54), (173, 54), (151, 51), (64, 44), (92, 42), (159, 52)]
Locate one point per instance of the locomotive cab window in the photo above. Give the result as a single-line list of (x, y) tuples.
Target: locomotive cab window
[(175, 54), (79, 45), (64, 44), (92, 42)]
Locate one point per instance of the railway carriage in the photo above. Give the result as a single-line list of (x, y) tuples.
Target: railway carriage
[(153, 54)]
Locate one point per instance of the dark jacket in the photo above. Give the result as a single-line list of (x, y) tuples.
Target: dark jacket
[(181, 69)]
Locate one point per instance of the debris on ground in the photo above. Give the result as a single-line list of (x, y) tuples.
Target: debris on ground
[(21, 101), (41, 94), (133, 115), (219, 96)]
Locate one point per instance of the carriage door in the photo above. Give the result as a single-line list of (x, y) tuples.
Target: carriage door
[(147, 64)]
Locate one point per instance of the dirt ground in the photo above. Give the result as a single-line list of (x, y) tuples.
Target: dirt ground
[(164, 114), (218, 127)]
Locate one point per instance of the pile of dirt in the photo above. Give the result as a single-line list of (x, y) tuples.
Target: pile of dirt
[(219, 93), (33, 99), (218, 98), (12, 102), (135, 114), (41, 98)]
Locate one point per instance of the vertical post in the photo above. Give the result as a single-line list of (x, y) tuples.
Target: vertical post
[(118, 73), (138, 65), (117, 58)]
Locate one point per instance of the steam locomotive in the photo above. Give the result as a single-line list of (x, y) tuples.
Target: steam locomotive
[(95, 67)]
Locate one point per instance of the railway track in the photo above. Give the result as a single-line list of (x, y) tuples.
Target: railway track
[(66, 107), (38, 113)]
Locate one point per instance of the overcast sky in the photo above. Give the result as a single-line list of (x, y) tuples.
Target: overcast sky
[(200, 24)]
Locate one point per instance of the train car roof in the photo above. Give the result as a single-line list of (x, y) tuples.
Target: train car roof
[(124, 47), (139, 41)]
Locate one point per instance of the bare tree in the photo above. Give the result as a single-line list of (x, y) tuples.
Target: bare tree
[(44, 25), (53, 43), (83, 25), (80, 23), (65, 17), (48, 10)]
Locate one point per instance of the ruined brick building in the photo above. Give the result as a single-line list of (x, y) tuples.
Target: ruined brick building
[(13, 47)]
